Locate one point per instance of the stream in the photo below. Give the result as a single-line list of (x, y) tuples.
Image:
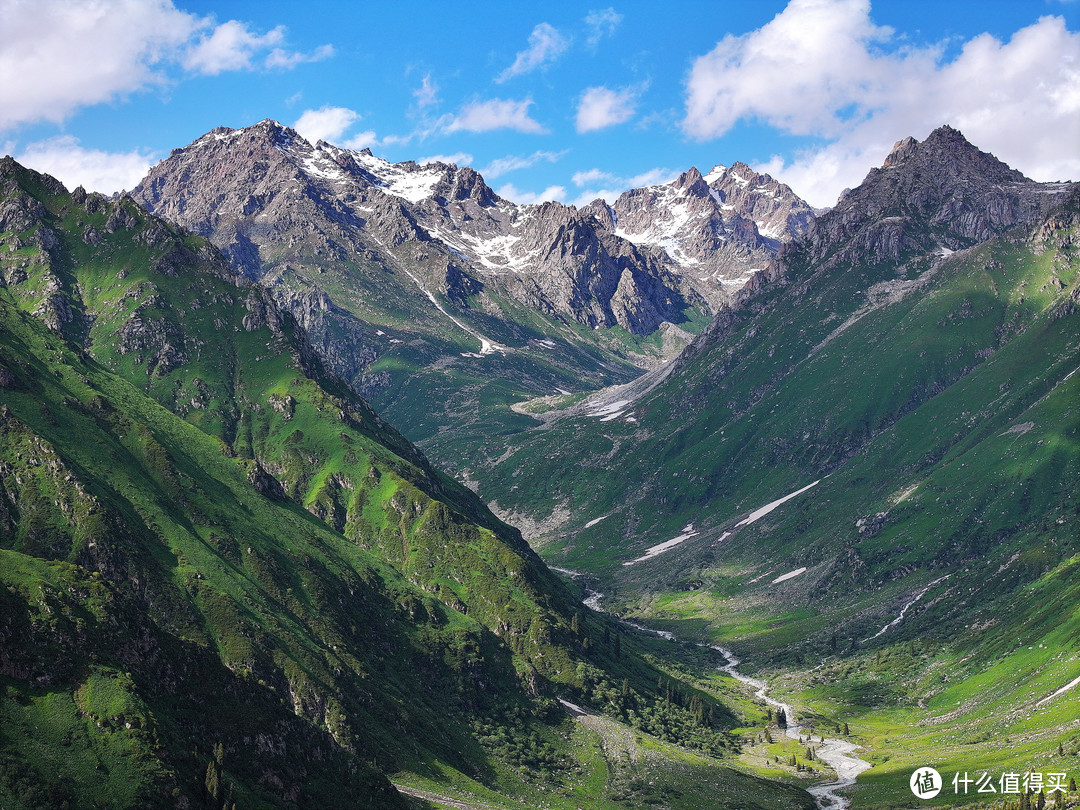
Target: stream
[(837, 754)]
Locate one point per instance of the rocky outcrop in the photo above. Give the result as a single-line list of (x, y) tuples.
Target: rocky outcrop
[(942, 193), (929, 198), (717, 231), (302, 217)]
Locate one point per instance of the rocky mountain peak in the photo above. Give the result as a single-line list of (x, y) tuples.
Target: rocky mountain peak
[(952, 157), (468, 184), (901, 151), (941, 193), (720, 228), (692, 182), (741, 170)]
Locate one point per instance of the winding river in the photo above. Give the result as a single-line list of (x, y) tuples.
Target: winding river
[(837, 754)]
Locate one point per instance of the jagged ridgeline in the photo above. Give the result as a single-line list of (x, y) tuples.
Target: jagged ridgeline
[(908, 373), (447, 305), (226, 580), (931, 307)]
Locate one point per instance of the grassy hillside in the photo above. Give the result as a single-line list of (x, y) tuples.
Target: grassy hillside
[(160, 606), (228, 581), (935, 402)]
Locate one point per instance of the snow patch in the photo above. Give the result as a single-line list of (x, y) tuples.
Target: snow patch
[(715, 173), (768, 231), (609, 409), (1065, 688), (789, 575), (660, 548), (760, 513), (1021, 428), (594, 521), (572, 707), (904, 609), (325, 169)]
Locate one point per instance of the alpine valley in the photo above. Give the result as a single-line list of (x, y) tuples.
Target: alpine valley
[(842, 446)]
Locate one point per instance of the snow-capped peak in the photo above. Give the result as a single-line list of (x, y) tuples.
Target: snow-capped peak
[(715, 173)]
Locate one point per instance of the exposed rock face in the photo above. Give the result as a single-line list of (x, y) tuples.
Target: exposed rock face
[(157, 340), (934, 197), (941, 193), (289, 213), (717, 230)]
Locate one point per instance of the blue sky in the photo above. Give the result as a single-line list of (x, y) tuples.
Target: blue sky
[(557, 100)]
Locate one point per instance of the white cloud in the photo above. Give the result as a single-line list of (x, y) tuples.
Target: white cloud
[(280, 59), (94, 170), (428, 92), (361, 140), (326, 123), (233, 46), (458, 158), (796, 72), (484, 116), (600, 107), (545, 45), (822, 68), (330, 124), (511, 163), (602, 23), (230, 46), (514, 194), (58, 56)]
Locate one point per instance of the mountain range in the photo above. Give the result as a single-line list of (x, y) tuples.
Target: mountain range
[(229, 582), (844, 442), (444, 304)]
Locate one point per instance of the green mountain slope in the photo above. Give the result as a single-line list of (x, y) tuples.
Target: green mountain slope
[(369, 257), (162, 309), (228, 581), (159, 606), (924, 405)]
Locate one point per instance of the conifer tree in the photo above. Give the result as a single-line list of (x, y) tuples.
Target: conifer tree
[(697, 706), (213, 781)]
